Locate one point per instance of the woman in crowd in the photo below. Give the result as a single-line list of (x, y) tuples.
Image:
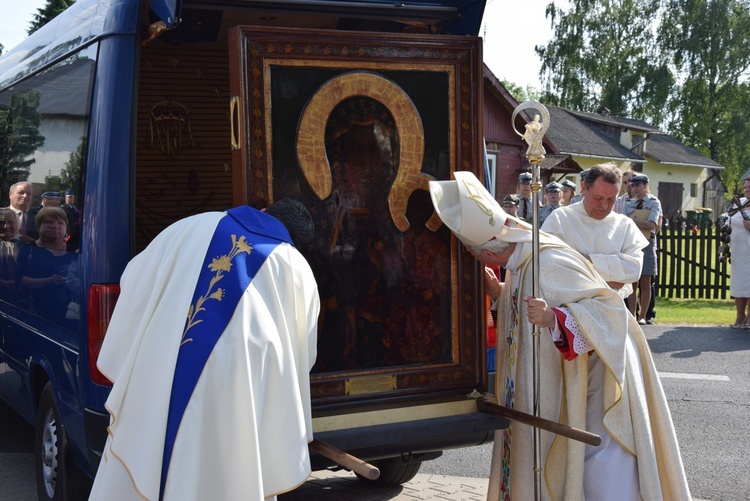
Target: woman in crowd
[(44, 264), (739, 281), (568, 191), (645, 209), (8, 251)]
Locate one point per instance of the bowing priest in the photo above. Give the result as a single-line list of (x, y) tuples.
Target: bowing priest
[(596, 368), (209, 349)]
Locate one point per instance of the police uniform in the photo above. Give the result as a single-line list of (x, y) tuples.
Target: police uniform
[(653, 205), (525, 205), (547, 209)]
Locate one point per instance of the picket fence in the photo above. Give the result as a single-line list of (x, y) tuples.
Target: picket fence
[(690, 264)]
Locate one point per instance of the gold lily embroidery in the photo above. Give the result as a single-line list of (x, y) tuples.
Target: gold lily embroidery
[(219, 265), (478, 198)]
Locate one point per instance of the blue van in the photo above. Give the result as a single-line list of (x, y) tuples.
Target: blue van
[(140, 113)]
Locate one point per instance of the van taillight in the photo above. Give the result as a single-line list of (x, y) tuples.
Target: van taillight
[(102, 299)]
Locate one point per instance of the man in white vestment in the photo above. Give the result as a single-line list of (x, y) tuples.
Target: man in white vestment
[(209, 349), (611, 241), (596, 370)]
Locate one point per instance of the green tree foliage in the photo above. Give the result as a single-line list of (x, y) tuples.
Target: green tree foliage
[(521, 94), (47, 13), (604, 54), (19, 137), (709, 44), (70, 175), (52, 182)]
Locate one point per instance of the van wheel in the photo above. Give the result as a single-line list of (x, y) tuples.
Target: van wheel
[(57, 478), (393, 472)]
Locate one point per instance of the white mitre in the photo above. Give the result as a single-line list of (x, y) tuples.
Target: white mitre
[(472, 214)]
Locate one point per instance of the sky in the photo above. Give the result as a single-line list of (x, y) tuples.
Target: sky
[(508, 40)]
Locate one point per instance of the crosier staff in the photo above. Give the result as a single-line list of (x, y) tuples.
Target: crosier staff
[(535, 154)]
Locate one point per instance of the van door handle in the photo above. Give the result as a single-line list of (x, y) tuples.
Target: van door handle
[(234, 122)]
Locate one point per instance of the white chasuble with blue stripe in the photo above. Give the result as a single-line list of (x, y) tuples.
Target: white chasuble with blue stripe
[(209, 349), (234, 256)]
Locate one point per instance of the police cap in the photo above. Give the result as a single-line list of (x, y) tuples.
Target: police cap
[(511, 199), (569, 184), (524, 178)]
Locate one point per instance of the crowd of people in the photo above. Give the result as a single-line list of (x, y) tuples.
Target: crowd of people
[(38, 258), (635, 202), (632, 199)]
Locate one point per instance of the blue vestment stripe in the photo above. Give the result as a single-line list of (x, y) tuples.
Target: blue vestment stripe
[(242, 241)]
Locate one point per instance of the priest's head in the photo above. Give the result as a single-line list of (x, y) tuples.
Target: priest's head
[(295, 217), (602, 189)]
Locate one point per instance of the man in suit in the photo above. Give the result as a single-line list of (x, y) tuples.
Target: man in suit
[(20, 202)]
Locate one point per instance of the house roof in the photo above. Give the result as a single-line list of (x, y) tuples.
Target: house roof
[(582, 134), (573, 134), (667, 150), (623, 123)]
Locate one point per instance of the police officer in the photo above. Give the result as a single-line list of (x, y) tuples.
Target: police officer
[(645, 209), (510, 204), (579, 197), (525, 208), (568, 191), (73, 239), (553, 191)]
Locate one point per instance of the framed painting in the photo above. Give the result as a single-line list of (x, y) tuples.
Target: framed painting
[(355, 125)]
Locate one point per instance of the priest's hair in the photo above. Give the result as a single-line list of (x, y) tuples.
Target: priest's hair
[(496, 246), (295, 217), (607, 171)]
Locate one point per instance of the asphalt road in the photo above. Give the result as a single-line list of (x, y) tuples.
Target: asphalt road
[(706, 377)]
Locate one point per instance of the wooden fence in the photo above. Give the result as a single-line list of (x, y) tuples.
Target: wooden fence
[(689, 264)]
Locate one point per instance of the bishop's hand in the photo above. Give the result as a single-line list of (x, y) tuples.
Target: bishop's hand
[(539, 313)]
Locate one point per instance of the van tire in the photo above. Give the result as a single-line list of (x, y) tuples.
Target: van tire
[(57, 477), (393, 472)]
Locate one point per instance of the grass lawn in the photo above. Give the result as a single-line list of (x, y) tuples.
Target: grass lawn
[(695, 311)]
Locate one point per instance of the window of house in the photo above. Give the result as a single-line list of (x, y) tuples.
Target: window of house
[(491, 172)]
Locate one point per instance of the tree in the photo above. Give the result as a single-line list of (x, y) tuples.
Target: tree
[(604, 54), (19, 137), (70, 175), (520, 94), (52, 182), (709, 44), (47, 13)]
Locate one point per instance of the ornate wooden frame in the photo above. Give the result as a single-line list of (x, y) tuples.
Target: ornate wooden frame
[(289, 83)]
